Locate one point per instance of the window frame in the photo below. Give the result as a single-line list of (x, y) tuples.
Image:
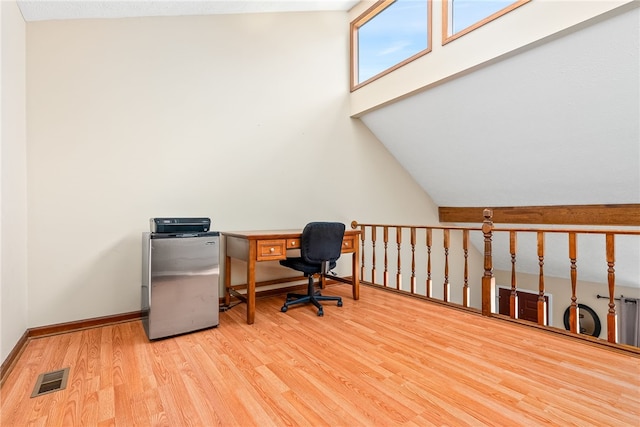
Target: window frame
[(446, 22), (365, 17)]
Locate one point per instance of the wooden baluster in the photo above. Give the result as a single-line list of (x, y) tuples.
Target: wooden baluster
[(488, 290), (542, 308), (611, 278), (465, 286), (413, 260), (385, 277), (445, 296), (428, 283), (573, 310), (399, 243), (362, 238), (513, 297), (373, 255)]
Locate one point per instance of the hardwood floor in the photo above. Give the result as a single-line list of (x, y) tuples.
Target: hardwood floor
[(384, 360)]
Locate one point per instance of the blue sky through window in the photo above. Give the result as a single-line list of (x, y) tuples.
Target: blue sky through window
[(397, 33), (467, 12), (401, 31)]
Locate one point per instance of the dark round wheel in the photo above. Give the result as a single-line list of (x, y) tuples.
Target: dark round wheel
[(339, 303), (589, 322), (284, 309), (320, 312)]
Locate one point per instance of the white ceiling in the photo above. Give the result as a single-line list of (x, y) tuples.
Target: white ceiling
[(557, 124), (43, 10)]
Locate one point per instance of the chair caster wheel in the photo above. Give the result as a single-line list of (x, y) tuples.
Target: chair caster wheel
[(320, 313), (339, 303), (284, 309)]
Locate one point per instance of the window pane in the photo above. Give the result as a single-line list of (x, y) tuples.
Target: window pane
[(395, 34), (465, 13)]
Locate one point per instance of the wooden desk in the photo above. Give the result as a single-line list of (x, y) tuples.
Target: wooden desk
[(257, 246)]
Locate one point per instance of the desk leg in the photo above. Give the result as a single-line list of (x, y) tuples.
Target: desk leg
[(251, 282), (355, 270), (227, 280)]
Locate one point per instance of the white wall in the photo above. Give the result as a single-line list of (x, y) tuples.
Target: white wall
[(13, 180), (242, 118)]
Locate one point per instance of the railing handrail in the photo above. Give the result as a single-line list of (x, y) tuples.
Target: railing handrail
[(355, 224), (570, 230)]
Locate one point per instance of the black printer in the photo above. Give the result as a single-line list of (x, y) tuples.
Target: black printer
[(180, 225)]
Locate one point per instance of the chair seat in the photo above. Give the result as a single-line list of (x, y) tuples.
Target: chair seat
[(297, 263)]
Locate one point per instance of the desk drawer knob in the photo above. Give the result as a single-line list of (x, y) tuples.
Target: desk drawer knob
[(272, 249)]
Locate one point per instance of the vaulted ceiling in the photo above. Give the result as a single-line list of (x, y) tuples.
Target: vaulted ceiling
[(556, 124)]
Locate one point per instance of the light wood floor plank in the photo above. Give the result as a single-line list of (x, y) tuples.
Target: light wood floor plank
[(384, 360)]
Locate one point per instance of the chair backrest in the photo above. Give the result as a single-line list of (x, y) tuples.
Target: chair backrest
[(321, 242)]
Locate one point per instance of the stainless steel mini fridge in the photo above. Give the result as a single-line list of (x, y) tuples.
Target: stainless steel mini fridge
[(180, 282)]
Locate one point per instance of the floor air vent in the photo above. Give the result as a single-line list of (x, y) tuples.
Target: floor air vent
[(50, 382)]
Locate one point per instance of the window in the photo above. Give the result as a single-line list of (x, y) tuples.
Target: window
[(460, 17), (387, 36)]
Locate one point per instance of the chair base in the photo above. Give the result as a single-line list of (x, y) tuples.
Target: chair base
[(314, 297)]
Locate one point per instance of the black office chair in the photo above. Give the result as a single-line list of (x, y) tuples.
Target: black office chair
[(320, 247)]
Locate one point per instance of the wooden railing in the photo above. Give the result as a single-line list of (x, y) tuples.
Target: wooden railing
[(407, 259), (376, 245)]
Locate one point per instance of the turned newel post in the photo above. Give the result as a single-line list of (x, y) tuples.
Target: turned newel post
[(611, 279), (488, 289), (446, 291), (465, 250), (513, 296), (573, 310), (385, 276)]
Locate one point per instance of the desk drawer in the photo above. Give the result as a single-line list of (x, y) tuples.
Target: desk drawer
[(348, 244), (271, 249)]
